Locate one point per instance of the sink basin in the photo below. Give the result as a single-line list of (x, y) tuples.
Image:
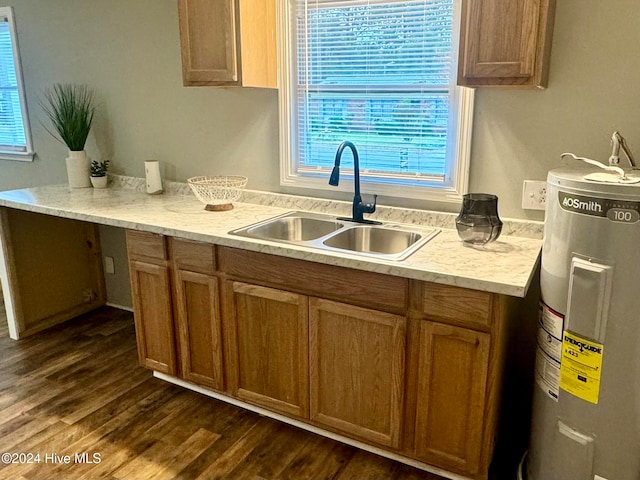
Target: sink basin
[(370, 239), (295, 229), (292, 228), (386, 241)]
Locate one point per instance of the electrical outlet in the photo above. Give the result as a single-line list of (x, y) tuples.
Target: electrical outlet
[(534, 195), (88, 295), (109, 266)]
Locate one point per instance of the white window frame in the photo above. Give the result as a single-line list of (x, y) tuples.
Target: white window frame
[(28, 153), (457, 177)]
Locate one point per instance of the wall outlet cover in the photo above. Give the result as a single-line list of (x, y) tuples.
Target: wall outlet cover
[(534, 195), (109, 266)]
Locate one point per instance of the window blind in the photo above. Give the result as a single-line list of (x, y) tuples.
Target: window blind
[(378, 73), (12, 130)]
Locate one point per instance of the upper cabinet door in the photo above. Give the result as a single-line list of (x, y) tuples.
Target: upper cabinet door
[(228, 42), (505, 42), (258, 52), (209, 41)]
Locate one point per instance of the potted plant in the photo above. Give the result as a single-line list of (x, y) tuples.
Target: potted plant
[(70, 109), (99, 173)]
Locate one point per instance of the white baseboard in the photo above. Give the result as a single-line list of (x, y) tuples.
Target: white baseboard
[(121, 307)]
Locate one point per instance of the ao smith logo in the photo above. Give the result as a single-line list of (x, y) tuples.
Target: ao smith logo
[(576, 203), (583, 205), (583, 346)]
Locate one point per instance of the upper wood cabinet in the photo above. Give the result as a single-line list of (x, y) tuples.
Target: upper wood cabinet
[(505, 42), (228, 42)]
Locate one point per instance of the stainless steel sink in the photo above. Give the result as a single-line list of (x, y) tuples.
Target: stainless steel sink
[(294, 229), (370, 239), (387, 241)]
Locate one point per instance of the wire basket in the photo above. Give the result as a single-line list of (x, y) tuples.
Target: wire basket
[(218, 193)]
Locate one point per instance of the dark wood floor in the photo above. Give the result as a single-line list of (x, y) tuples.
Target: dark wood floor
[(77, 389)]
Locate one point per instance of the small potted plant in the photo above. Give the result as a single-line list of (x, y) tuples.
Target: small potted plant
[(99, 173), (70, 109)]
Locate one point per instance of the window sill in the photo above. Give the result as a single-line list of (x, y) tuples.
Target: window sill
[(21, 157), (416, 192)]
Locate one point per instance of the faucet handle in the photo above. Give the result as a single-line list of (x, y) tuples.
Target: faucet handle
[(370, 207)]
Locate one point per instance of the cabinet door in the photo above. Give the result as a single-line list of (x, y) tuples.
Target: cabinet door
[(452, 377), (505, 42), (259, 63), (199, 333), (153, 316), (268, 347), (357, 370), (208, 39)]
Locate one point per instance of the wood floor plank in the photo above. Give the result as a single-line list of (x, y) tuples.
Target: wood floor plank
[(319, 459), (232, 428), (61, 433), (163, 460), (119, 439), (77, 388), (26, 397), (236, 454), (271, 456)]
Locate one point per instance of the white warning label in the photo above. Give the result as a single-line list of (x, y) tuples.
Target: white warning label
[(547, 374), (551, 321), (551, 345), (549, 351)]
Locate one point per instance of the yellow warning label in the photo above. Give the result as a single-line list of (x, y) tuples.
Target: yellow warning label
[(581, 367)]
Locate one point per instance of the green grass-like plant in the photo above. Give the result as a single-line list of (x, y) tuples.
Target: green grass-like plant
[(99, 169), (70, 109)]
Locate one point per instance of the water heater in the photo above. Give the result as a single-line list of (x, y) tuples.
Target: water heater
[(586, 405)]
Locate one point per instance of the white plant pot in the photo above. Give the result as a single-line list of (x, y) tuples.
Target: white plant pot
[(99, 182), (78, 170)]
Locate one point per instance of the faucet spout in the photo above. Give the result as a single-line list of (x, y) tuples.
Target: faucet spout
[(359, 208)]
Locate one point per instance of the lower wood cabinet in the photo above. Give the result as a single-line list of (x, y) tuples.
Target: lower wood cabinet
[(357, 370), (153, 316), (452, 372), (267, 332), (176, 307), (198, 325), (197, 313), (416, 370)]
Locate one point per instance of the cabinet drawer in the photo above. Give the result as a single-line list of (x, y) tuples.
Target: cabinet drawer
[(145, 244), (458, 305), (193, 256)]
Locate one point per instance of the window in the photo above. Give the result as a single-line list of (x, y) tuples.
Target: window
[(15, 136), (380, 73)]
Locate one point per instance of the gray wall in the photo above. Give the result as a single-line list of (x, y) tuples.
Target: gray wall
[(113, 245), (128, 50)]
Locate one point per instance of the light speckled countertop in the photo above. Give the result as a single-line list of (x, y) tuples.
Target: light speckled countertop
[(505, 266)]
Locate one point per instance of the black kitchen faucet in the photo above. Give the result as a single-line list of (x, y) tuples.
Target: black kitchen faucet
[(359, 208)]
